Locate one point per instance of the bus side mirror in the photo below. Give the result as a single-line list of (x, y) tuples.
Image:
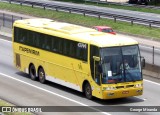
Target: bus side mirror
[(99, 66), (142, 62), (96, 58)]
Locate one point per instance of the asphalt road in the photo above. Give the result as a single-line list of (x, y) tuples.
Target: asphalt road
[(17, 88), (148, 52)]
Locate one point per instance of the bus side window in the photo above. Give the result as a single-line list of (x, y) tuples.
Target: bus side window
[(16, 34), (47, 42), (66, 48), (23, 36), (55, 44), (82, 53), (36, 40), (72, 47), (31, 37), (78, 53), (60, 45), (42, 41)]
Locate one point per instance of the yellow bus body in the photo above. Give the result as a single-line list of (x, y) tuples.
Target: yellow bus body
[(67, 71)]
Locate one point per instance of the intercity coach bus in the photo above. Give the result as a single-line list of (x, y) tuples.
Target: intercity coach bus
[(78, 57)]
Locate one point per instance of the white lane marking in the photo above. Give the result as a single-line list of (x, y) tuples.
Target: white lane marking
[(156, 49), (53, 93), (141, 98), (6, 40), (144, 99), (145, 46), (151, 82)]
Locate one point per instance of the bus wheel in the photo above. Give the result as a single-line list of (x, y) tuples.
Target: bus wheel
[(32, 72), (88, 91), (41, 75)]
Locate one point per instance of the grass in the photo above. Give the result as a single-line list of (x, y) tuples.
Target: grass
[(124, 27), (133, 8), (4, 103)]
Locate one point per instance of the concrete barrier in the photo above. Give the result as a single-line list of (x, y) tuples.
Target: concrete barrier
[(152, 71), (5, 31), (119, 1)]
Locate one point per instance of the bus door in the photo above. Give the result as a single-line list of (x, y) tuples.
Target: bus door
[(95, 71), (97, 76)]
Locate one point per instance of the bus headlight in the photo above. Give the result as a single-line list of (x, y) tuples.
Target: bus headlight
[(138, 85)]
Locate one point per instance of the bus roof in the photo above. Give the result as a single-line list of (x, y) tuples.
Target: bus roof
[(74, 32)]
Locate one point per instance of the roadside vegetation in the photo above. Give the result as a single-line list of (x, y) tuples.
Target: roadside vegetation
[(4, 103), (123, 27), (133, 8)]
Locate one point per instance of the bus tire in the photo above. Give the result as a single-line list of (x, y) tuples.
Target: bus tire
[(41, 75), (32, 72), (88, 91)]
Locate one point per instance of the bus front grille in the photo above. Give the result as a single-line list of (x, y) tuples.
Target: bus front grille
[(119, 87), (128, 86)]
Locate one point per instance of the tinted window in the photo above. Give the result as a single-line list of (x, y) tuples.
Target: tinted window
[(55, 44)]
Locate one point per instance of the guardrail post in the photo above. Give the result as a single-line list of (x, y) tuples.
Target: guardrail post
[(69, 11), (132, 22), (3, 19), (99, 17), (10, 1), (32, 5), (115, 19), (12, 20), (150, 25), (97, 2), (153, 56), (44, 7), (84, 14)]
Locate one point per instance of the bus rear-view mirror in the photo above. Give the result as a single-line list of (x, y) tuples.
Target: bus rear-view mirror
[(143, 62), (96, 58)]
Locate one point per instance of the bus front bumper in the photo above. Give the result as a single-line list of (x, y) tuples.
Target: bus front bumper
[(112, 94)]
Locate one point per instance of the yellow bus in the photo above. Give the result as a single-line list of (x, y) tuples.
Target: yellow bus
[(78, 57)]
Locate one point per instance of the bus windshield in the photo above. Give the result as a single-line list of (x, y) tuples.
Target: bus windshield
[(120, 64)]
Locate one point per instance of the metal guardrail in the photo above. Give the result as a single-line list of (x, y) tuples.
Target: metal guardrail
[(98, 14), (122, 4), (7, 20)]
